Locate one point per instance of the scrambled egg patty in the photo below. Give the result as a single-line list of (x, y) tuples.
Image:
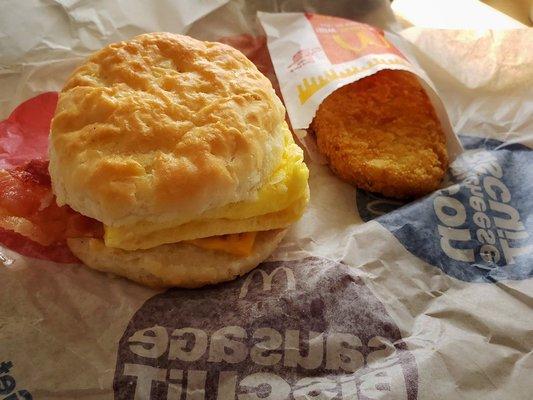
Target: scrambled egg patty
[(277, 204)]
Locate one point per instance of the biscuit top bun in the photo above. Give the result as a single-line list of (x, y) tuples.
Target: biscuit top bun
[(160, 125)]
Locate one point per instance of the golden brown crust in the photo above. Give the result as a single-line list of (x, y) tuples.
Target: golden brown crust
[(163, 124), (174, 265), (381, 134)]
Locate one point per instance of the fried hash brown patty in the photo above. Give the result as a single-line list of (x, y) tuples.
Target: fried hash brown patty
[(381, 134)]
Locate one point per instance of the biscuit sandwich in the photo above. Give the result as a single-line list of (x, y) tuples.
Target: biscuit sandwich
[(180, 149), (381, 134)]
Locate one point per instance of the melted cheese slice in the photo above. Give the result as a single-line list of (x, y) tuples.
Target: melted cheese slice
[(239, 244), (277, 204)]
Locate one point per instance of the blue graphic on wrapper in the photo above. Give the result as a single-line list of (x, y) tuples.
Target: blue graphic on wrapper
[(480, 227)]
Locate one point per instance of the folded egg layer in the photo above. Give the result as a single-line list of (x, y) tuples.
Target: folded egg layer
[(277, 204)]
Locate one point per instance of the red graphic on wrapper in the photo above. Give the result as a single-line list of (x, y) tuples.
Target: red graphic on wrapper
[(344, 40), (24, 137), (24, 134), (303, 57)]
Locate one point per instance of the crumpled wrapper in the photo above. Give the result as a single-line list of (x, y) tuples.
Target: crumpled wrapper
[(366, 298)]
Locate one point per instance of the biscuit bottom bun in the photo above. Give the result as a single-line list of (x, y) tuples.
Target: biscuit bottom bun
[(180, 149), (176, 264)]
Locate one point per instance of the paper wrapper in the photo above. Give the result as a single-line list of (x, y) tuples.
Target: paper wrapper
[(364, 299), (314, 55)]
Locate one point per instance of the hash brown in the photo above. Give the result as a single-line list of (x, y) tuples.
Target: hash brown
[(381, 134)]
